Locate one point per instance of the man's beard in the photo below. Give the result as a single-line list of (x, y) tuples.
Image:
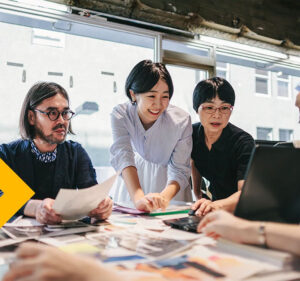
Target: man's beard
[(49, 138)]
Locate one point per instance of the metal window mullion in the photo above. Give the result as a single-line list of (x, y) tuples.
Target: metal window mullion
[(269, 83), (158, 48)]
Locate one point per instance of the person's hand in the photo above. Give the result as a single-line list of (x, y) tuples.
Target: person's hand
[(45, 214), (151, 202), (204, 206), (37, 262), (223, 224), (103, 210), (157, 201)]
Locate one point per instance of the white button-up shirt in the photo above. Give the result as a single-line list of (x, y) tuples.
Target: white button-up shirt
[(167, 142)]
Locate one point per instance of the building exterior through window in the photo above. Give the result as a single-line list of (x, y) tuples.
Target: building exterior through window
[(91, 59)]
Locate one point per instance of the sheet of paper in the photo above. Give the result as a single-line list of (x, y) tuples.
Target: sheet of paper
[(62, 240), (180, 234), (23, 222), (233, 266), (152, 224), (80, 248), (127, 210), (74, 204)]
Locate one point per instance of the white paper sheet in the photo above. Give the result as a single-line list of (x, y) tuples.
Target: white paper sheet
[(23, 222), (74, 204)]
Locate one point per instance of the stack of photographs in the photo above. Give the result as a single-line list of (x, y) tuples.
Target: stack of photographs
[(21, 232), (145, 244)]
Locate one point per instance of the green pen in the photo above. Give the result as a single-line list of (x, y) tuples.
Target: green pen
[(168, 213)]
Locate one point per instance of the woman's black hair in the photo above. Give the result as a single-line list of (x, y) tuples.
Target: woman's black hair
[(144, 76), (208, 89)]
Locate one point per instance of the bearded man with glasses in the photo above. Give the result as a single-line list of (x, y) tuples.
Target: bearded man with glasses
[(43, 158), (221, 151)]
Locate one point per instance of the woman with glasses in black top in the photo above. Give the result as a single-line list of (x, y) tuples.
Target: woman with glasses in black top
[(221, 151)]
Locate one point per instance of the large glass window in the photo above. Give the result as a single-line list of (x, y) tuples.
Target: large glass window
[(90, 62), (185, 79), (91, 58), (251, 110), (188, 63)]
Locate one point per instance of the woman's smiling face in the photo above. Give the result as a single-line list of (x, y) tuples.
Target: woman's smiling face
[(152, 104)]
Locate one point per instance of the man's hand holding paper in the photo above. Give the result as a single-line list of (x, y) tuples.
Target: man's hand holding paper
[(103, 211), (45, 214), (73, 204)]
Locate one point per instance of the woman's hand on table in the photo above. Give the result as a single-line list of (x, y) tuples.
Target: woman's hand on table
[(223, 224), (151, 202), (205, 206)]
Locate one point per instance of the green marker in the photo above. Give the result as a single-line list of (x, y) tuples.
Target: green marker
[(169, 213)]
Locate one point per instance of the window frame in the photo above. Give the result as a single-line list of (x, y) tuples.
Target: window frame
[(189, 60), (226, 69), (291, 133), (268, 78), (288, 81), (268, 128)]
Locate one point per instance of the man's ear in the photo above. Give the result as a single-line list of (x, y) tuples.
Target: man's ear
[(31, 117)]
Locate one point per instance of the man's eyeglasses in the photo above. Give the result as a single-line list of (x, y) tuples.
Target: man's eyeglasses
[(54, 114), (226, 109)]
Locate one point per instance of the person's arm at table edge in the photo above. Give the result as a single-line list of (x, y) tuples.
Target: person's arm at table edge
[(278, 236), (196, 180), (229, 203)]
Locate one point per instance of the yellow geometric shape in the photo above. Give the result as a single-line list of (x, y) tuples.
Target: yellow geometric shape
[(15, 193)]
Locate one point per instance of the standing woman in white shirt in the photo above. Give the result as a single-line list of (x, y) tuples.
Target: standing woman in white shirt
[(152, 141)]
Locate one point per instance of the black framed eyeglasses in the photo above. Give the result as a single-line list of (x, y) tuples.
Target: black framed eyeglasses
[(54, 114), (225, 109)]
